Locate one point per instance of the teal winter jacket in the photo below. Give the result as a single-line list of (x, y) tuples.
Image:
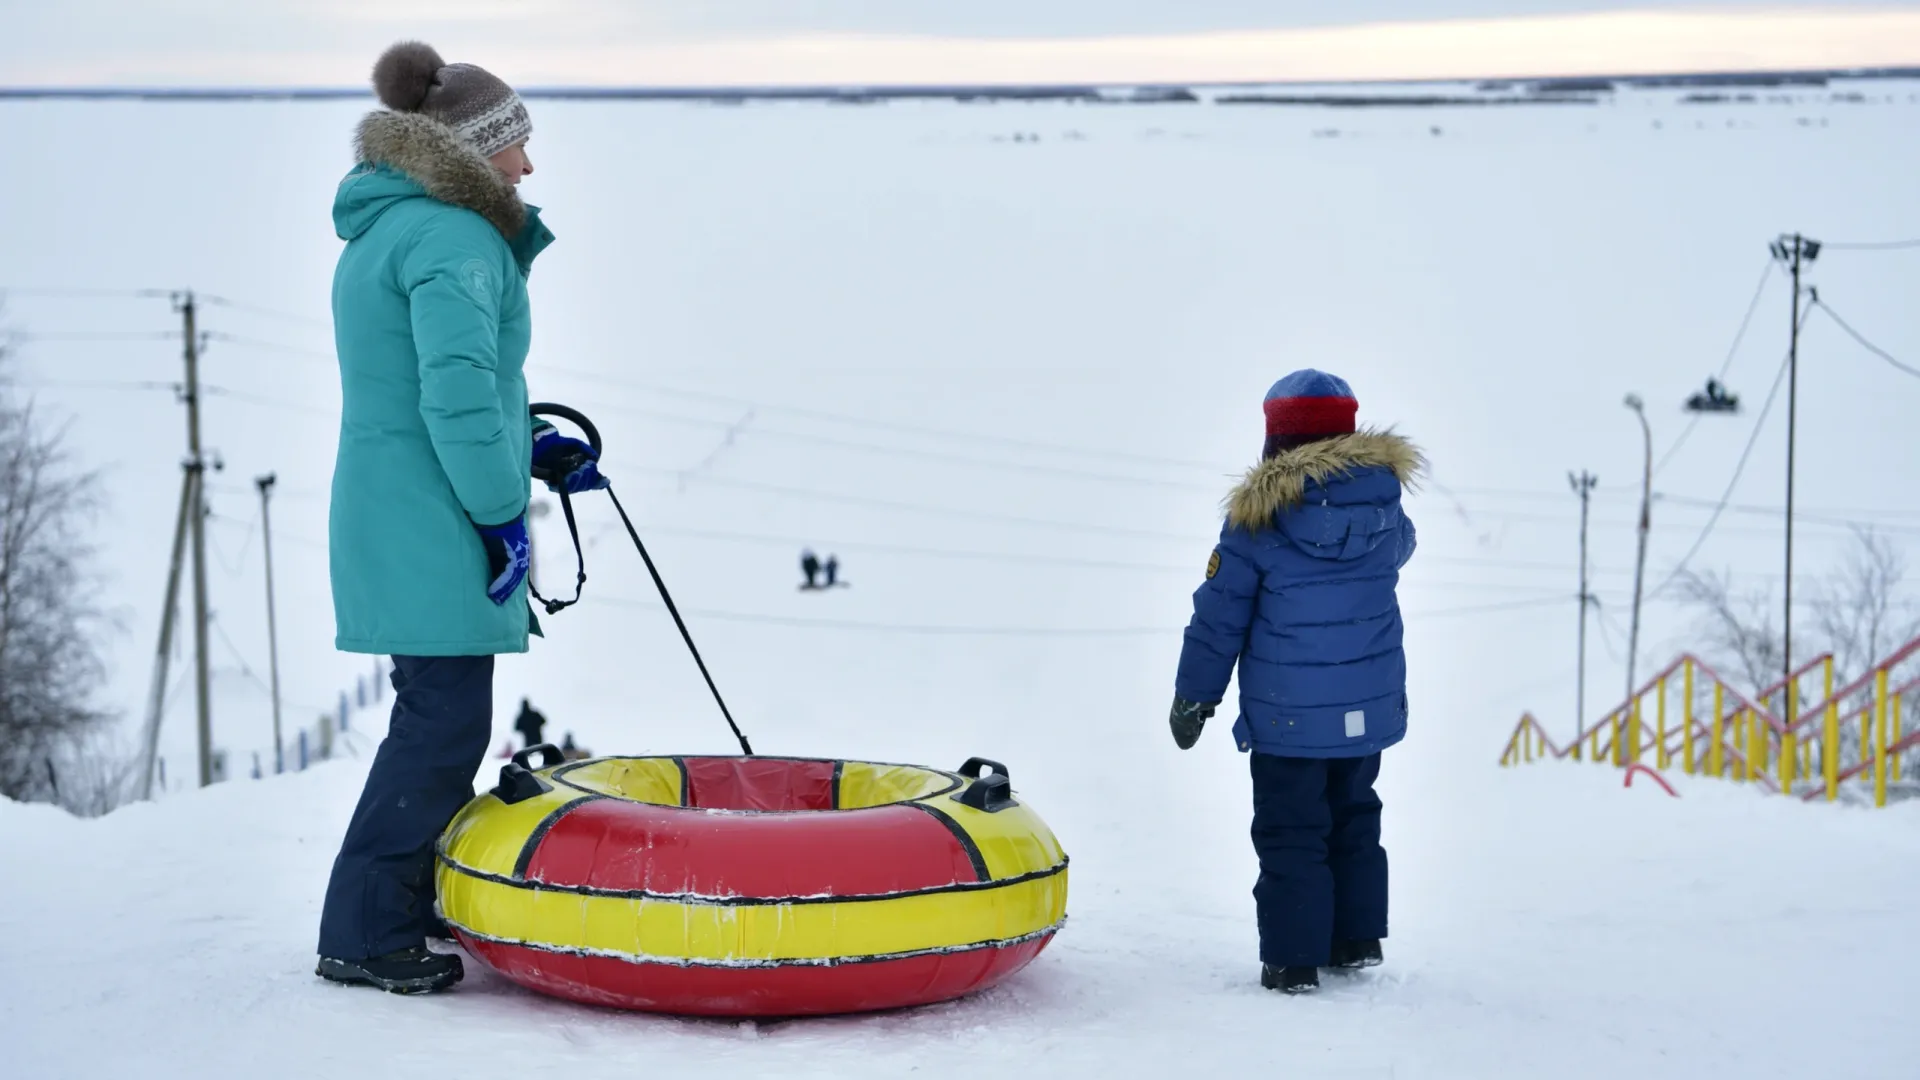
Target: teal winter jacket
[(431, 325)]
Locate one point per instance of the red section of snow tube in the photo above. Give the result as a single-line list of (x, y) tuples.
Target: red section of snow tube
[(767, 785), (756, 991), (619, 845)]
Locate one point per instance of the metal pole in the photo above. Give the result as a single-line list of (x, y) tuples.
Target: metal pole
[(198, 525), (265, 484), (1646, 520), (157, 694), (1583, 486), (1793, 400)]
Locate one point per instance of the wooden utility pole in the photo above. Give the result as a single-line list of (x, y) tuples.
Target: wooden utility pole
[(265, 484), (1583, 486), (157, 694), (197, 532)]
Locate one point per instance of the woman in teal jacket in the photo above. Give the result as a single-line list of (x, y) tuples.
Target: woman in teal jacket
[(427, 533)]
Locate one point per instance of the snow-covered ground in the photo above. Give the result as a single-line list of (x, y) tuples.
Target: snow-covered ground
[(1004, 361), (1546, 923)]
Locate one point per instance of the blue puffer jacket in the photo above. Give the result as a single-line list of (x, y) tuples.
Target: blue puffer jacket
[(1300, 592)]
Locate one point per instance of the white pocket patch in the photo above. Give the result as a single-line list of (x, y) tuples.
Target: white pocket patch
[(1356, 723)]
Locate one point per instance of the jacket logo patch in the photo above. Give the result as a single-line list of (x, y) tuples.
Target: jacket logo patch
[(1356, 723), (479, 281), (1213, 565)]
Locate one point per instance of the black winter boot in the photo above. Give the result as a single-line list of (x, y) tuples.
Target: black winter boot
[(409, 971), (1293, 980), (1364, 953)]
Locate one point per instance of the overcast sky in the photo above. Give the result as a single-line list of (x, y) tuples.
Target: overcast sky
[(331, 42)]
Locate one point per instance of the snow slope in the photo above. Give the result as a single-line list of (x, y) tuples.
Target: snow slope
[(1008, 381), (1545, 923)]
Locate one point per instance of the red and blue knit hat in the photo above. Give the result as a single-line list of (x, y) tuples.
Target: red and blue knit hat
[(1308, 405)]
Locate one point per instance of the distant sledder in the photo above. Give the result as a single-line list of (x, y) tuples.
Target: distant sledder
[(1301, 595), (820, 575)]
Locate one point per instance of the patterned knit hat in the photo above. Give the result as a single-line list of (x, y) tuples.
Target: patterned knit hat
[(1308, 405), (483, 111)]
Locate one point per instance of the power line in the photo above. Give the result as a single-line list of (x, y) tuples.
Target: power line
[(1609, 625), (1864, 343), (294, 539), (1873, 245), (1726, 365), (270, 346), (87, 294), (939, 511), (1425, 557), (734, 427), (266, 402), (878, 425), (255, 309), (1169, 630), (1798, 516), (245, 668), (99, 335), (236, 565), (151, 294), (98, 384), (1758, 424), (1488, 609)]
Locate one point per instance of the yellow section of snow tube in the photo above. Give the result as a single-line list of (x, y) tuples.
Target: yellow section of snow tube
[(753, 886)]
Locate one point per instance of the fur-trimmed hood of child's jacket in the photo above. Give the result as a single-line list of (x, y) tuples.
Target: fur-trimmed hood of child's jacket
[(1281, 481), (432, 155)]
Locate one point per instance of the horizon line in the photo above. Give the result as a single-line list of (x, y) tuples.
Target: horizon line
[(1661, 79)]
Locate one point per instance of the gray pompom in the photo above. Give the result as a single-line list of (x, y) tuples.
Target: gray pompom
[(404, 74)]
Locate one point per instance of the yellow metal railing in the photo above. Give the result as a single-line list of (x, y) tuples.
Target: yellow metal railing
[(1690, 715)]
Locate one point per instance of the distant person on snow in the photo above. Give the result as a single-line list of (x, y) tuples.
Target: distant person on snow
[(427, 530), (529, 723), (1301, 594), (810, 566), (833, 570)]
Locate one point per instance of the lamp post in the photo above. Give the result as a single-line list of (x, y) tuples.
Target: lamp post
[(1639, 408), (265, 484)]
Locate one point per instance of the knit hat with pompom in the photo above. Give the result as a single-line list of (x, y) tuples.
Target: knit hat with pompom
[(483, 111)]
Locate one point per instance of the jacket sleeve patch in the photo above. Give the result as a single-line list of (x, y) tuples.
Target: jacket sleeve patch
[(479, 282), (1213, 564)]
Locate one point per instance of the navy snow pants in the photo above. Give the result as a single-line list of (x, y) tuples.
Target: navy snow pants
[(381, 891), (1323, 873)]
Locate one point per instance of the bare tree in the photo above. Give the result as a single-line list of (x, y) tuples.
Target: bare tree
[(1861, 613), (51, 627), (1737, 632), (1862, 610)]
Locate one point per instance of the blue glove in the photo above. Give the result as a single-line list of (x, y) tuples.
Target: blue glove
[(509, 556), (574, 465)]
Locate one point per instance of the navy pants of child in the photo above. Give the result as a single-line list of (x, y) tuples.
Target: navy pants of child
[(1323, 873), (381, 892)]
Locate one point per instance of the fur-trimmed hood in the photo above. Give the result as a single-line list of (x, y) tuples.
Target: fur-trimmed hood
[(431, 155), (1281, 481)]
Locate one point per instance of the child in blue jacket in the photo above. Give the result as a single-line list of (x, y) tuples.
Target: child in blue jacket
[(1300, 594)]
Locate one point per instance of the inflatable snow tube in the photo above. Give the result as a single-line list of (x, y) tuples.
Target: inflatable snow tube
[(751, 886)]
